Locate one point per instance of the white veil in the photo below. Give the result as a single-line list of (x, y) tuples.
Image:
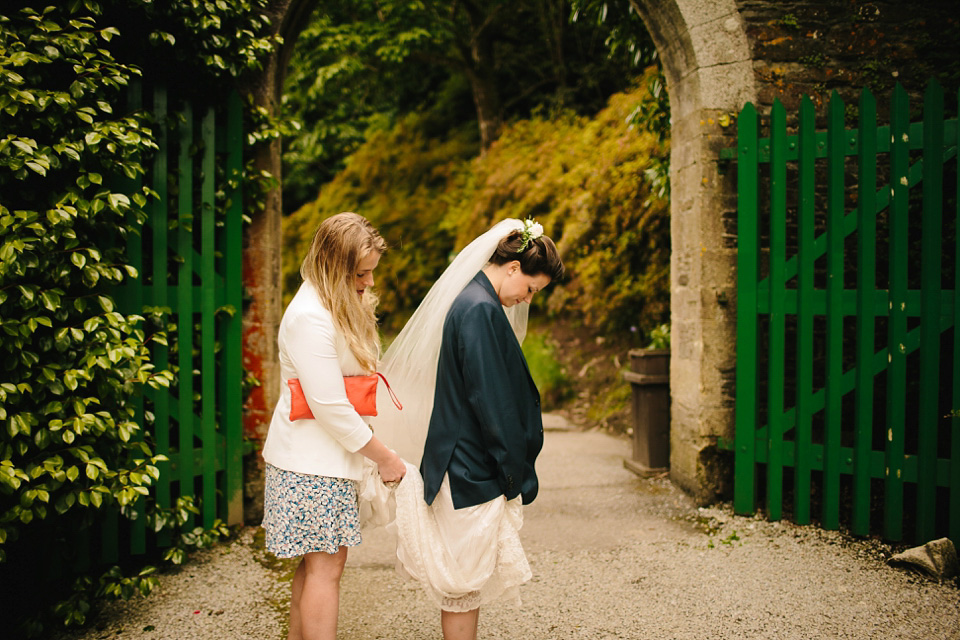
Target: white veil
[(410, 363)]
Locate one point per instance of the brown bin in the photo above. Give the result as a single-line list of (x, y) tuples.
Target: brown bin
[(649, 380)]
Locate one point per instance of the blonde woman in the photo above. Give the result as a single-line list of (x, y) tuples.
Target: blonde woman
[(310, 499)]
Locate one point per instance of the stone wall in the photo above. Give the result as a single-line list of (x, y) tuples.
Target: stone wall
[(709, 72), (716, 56), (815, 48)]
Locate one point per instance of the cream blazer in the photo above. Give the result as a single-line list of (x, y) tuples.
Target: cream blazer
[(312, 350)]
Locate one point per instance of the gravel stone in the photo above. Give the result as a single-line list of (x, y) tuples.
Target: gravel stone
[(613, 556)]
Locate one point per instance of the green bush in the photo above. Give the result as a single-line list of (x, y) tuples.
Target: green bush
[(72, 363), (596, 184), (660, 337), (548, 373), (73, 366)]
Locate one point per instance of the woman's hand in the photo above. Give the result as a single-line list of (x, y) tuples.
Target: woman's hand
[(389, 464), (392, 470)]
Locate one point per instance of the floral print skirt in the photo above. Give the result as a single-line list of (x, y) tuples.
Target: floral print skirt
[(303, 513)]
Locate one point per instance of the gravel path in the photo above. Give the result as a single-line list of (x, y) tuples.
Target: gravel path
[(613, 557)]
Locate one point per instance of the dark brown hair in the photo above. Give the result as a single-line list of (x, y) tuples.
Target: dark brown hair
[(539, 256)]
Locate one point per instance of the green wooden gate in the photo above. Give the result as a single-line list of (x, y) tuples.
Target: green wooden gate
[(189, 259), (848, 360)]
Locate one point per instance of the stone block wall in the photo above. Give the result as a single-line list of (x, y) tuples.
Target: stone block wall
[(817, 47), (717, 56)]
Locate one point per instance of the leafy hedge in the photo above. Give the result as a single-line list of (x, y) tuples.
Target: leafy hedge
[(598, 185), (73, 367)]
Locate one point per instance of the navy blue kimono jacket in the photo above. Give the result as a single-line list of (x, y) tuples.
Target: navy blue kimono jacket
[(486, 428)]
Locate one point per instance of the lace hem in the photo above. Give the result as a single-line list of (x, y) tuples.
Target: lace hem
[(463, 558)]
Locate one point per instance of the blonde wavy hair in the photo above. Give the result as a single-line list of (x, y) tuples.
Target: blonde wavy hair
[(338, 246)]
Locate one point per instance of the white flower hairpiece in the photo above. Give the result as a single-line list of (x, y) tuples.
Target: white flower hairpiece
[(531, 231)]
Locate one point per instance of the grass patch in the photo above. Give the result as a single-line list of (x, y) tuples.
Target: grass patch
[(592, 362), (548, 372), (609, 401)]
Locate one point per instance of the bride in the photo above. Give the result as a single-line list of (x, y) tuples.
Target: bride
[(471, 422)]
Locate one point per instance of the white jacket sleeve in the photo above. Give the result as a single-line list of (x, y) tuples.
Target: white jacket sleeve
[(311, 347)]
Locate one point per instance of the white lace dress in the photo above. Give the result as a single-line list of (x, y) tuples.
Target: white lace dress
[(463, 558)]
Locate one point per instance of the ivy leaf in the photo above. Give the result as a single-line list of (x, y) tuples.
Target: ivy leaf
[(37, 167), (27, 292), (50, 299), (119, 201), (26, 145)]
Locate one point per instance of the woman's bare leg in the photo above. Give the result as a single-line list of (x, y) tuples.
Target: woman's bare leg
[(315, 597), (296, 590), (459, 625)]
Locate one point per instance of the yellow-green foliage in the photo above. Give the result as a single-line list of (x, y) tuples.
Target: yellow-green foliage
[(582, 178), (540, 351), (400, 181)]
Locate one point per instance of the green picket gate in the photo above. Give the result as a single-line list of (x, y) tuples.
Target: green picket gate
[(848, 356), (189, 259)]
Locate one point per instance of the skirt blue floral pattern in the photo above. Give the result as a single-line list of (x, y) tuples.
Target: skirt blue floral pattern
[(303, 513)]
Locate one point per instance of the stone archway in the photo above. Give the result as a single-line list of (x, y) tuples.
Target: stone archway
[(707, 62)]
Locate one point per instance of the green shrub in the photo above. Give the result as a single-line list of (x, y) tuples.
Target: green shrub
[(548, 373), (73, 366), (660, 337), (596, 184)]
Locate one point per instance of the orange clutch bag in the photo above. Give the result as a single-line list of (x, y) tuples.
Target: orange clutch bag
[(361, 392)]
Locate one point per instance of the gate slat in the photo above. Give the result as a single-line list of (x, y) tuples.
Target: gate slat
[(748, 241), (777, 341), (158, 295), (930, 280), (233, 284), (880, 301), (915, 132), (954, 520), (830, 518), (897, 325), (877, 462), (208, 326), (805, 230), (134, 302), (866, 284), (185, 309)]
